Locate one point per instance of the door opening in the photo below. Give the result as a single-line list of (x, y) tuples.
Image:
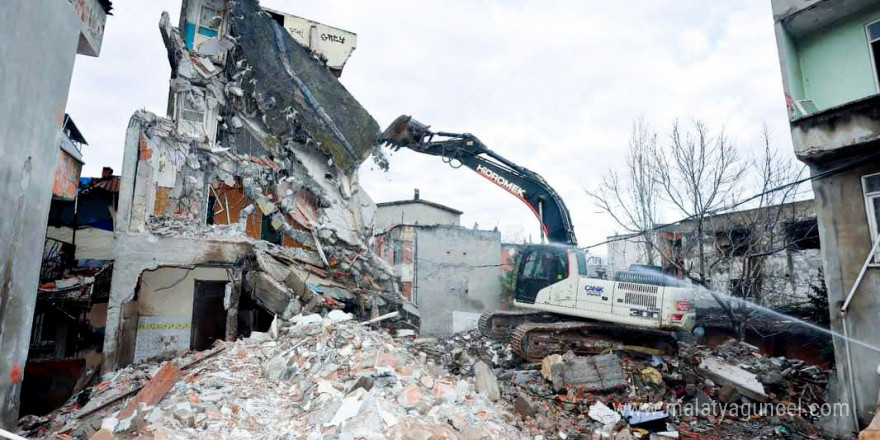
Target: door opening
[(209, 315)]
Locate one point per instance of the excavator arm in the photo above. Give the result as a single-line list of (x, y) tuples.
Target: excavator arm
[(465, 149)]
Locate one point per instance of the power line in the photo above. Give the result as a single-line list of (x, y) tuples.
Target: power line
[(821, 175)]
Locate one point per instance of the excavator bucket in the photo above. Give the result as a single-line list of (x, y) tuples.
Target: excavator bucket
[(405, 132)]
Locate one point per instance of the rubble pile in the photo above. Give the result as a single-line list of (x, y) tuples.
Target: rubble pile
[(179, 226), (290, 281), (731, 390), (311, 377)]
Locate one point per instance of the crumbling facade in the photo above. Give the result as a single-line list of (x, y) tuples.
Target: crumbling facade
[(829, 54), (29, 135), (243, 204)]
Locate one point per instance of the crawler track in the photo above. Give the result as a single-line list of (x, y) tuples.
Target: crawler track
[(535, 335), (533, 341), (498, 324)]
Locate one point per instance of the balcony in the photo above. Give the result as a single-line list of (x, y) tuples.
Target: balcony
[(802, 17), (838, 132)]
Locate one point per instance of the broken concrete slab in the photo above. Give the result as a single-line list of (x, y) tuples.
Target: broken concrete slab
[(592, 373), (272, 295), (270, 265), (293, 86), (725, 374), (485, 381)]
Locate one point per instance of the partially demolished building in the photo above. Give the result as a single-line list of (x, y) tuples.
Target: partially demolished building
[(243, 203), (451, 271)]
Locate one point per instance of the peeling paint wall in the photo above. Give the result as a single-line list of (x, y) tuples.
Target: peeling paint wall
[(67, 172), (397, 247)]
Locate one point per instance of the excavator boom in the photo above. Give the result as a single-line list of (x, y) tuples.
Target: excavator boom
[(467, 150)]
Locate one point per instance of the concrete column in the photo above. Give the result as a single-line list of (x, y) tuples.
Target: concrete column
[(40, 39), (846, 241)]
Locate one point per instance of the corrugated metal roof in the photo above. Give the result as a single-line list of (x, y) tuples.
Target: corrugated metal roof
[(110, 184)]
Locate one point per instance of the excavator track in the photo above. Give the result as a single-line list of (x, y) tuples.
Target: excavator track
[(533, 341), (498, 324)]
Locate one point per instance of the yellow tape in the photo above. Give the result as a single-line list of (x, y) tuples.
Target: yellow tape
[(164, 326)]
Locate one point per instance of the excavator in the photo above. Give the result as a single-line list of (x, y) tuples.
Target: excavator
[(561, 307)]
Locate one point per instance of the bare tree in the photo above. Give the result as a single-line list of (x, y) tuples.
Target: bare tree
[(748, 237), (698, 172), (631, 199)]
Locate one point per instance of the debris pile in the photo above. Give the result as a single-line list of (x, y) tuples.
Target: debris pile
[(290, 281), (731, 390), (310, 378)]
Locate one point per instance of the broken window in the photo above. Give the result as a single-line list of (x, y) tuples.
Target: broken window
[(192, 107), (802, 234), (209, 22), (268, 232), (209, 214), (873, 30), (871, 187), (733, 243), (398, 253)]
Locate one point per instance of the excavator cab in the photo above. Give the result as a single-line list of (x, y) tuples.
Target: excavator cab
[(539, 266)]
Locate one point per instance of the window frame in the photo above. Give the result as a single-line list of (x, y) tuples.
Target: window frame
[(583, 270), (202, 17), (185, 107), (873, 227), (874, 62)]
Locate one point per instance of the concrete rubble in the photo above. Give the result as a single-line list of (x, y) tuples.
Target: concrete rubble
[(322, 377), (702, 392)]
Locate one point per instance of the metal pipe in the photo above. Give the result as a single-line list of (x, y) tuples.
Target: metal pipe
[(849, 371), (10, 436), (855, 285)]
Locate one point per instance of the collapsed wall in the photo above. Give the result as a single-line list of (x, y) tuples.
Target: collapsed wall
[(254, 171)]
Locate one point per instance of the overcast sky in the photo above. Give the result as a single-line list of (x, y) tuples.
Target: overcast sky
[(553, 86)]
